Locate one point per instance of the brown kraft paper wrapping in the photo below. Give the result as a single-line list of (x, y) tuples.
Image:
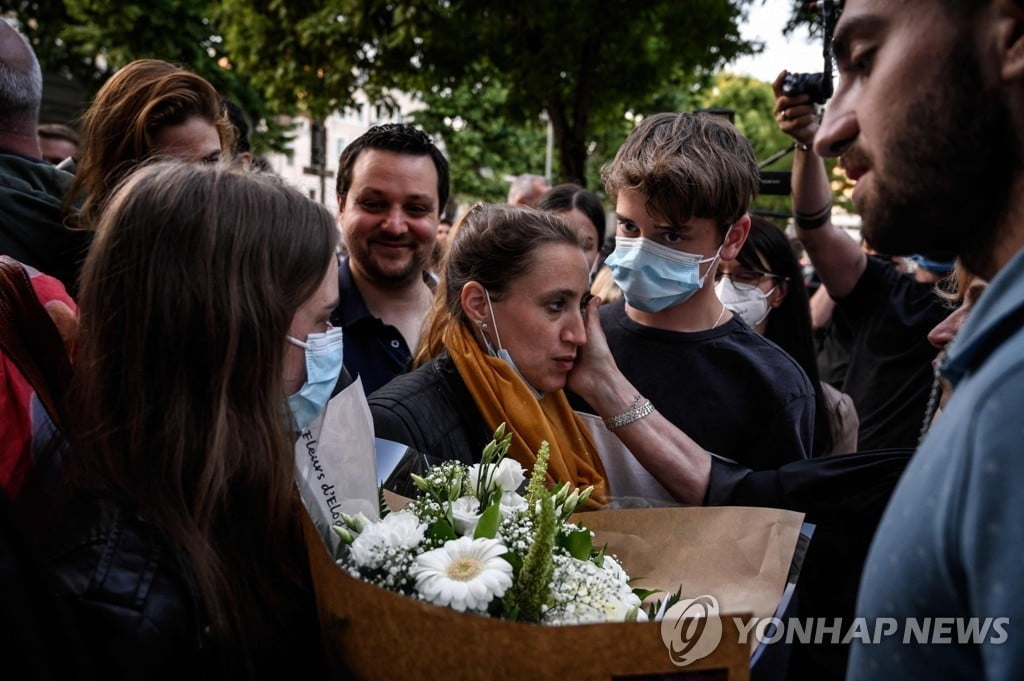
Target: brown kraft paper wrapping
[(740, 556)]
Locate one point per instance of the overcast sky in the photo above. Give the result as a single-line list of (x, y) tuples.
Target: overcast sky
[(797, 53)]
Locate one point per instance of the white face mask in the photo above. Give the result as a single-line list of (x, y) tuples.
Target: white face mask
[(501, 352), (750, 304)]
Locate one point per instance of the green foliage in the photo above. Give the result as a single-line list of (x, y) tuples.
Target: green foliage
[(533, 583), (441, 531), (482, 146), (583, 64), (535, 490), (484, 70), (579, 544), (490, 519), (87, 40)]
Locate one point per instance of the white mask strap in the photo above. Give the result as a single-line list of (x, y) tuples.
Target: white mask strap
[(490, 307), (296, 341)]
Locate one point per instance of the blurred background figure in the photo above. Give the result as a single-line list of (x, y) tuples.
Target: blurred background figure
[(764, 286), (882, 315), (526, 189), (57, 142), (582, 210), (148, 108), (964, 291), (241, 151), (31, 190)]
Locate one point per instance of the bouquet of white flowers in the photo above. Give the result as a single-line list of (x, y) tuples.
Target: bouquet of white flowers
[(471, 542)]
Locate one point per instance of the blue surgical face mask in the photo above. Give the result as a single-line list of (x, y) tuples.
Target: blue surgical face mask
[(323, 366), (501, 352), (654, 277)]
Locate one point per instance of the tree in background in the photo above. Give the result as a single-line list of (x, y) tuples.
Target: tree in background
[(87, 40), (482, 147), (583, 63), (483, 70)]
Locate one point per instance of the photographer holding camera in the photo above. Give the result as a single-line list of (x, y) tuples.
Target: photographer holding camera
[(889, 313)]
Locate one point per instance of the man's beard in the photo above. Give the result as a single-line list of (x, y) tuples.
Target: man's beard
[(950, 165), (385, 273)]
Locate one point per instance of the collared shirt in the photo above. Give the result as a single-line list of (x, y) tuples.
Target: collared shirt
[(945, 563), (374, 351)]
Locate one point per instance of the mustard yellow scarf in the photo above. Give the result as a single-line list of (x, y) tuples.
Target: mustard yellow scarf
[(503, 397)]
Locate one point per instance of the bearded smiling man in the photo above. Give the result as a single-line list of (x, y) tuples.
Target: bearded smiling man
[(393, 183), (926, 118)]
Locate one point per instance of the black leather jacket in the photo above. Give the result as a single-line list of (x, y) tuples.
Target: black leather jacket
[(431, 410), (130, 597)]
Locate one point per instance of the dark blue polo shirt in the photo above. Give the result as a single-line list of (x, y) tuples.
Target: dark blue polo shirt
[(374, 351)]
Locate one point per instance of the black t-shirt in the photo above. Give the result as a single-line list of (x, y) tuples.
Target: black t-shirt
[(734, 392), (890, 373)]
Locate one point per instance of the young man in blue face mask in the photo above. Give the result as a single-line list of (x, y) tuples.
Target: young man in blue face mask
[(682, 184)]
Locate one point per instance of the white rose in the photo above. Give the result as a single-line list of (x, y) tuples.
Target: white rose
[(506, 476), (510, 475), (464, 513)]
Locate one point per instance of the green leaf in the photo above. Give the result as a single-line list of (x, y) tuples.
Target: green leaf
[(642, 594), (487, 527), (579, 544), (515, 561), (440, 529)]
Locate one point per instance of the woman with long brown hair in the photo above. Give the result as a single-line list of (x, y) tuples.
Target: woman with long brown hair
[(204, 293)]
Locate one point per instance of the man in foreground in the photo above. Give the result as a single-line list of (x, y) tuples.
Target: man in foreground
[(926, 120)]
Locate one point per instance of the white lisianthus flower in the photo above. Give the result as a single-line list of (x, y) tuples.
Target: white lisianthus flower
[(401, 529), (507, 476), (465, 516), (511, 502), (465, 574)]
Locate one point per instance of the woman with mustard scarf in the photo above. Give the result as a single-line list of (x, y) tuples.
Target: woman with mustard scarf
[(507, 328)]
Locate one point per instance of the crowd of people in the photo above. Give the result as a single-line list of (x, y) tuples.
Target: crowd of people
[(173, 318)]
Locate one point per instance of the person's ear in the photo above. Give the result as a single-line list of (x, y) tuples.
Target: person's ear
[(779, 294), (735, 239), (473, 299), (1010, 39)]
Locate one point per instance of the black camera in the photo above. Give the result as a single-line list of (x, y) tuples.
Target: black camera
[(817, 85)]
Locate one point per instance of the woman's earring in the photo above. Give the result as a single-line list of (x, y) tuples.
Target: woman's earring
[(482, 324)]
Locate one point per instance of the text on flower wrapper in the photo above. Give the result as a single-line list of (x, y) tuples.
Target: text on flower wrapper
[(332, 500), (311, 453), (330, 497)]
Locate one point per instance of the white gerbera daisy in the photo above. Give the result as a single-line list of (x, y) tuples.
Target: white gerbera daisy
[(465, 574)]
